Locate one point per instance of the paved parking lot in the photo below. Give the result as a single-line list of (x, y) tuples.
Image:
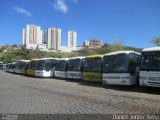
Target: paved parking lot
[(27, 95)]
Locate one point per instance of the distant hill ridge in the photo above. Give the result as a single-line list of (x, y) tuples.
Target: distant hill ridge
[(14, 52)]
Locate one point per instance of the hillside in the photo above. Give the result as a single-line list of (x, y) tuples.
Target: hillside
[(11, 53)]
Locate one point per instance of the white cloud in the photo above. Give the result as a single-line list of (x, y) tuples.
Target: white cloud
[(60, 5), (75, 1), (22, 11)]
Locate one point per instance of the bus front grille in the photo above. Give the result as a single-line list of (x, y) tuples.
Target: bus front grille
[(154, 78)]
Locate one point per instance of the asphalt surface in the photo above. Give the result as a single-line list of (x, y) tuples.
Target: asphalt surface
[(28, 95)]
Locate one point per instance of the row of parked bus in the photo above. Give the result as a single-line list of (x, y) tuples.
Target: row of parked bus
[(116, 68), (2, 66)]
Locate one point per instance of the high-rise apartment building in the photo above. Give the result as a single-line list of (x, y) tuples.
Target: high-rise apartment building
[(32, 36), (24, 37), (54, 38), (47, 40), (72, 39)]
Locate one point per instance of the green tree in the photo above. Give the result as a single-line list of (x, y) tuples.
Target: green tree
[(156, 41), (8, 57), (87, 51), (57, 54), (104, 50)]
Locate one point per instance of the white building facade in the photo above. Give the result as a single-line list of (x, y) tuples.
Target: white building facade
[(32, 36), (54, 39), (47, 40), (72, 39)]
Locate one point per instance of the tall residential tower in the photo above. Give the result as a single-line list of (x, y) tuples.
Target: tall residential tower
[(72, 39), (54, 38), (32, 36)]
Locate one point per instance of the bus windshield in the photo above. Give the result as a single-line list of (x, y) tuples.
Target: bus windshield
[(150, 61), (74, 65), (49, 64), (92, 65), (32, 65), (24, 65), (40, 65), (11, 66), (19, 64), (61, 65), (115, 63), (45, 64)]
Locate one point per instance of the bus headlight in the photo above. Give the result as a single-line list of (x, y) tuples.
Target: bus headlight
[(143, 83)]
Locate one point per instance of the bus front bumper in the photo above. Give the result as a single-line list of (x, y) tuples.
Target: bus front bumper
[(119, 78), (43, 73), (74, 75), (149, 78)]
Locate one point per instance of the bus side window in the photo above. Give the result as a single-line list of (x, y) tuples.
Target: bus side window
[(48, 65)]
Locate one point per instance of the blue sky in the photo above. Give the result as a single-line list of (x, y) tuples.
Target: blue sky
[(134, 22)]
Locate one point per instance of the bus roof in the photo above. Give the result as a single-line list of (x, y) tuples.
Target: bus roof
[(13, 63), (24, 60), (63, 59), (76, 58), (95, 56), (120, 52), (151, 49), (34, 59), (48, 58)]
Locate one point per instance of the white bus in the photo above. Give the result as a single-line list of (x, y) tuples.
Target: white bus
[(75, 68), (32, 67), (8, 67), (1, 65), (45, 67), (61, 68), (121, 68), (4, 67), (11, 67), (150, 67), (24, 67), (19, 65)]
